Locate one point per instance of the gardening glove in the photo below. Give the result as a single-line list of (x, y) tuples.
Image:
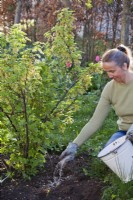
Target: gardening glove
[(69, 153), (130, 133)]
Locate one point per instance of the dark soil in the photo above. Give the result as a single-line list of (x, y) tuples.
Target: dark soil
[(74, 185)]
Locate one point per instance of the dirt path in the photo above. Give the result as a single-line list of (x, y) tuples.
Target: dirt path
[(74, 186)]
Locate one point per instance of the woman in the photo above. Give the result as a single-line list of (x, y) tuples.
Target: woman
[(118, 93)]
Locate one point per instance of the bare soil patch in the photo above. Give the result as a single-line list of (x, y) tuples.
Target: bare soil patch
[(74, 185)]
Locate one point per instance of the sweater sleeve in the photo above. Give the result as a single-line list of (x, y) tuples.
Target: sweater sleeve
[(98, 117)]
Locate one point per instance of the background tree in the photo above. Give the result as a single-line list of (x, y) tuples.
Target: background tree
[(7, 9), (18, 11), (126, 22), (132, 26), (97, 22)]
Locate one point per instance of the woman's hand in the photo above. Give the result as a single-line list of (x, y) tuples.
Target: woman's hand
[(69, 153)]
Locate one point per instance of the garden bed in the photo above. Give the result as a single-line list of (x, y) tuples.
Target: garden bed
[(75, 185)]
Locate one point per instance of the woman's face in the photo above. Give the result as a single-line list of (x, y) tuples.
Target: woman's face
[(114, 71)]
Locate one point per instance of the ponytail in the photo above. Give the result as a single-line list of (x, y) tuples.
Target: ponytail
[(119, 55)]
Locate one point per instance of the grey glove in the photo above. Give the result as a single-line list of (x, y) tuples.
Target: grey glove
[(130, 133), (69, 153)]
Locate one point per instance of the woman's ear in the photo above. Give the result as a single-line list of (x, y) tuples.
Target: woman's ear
[(124, 67)]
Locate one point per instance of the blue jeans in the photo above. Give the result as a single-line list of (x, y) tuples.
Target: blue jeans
[(115, 136)]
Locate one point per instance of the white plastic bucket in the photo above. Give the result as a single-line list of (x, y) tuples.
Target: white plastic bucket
[(118, 156)]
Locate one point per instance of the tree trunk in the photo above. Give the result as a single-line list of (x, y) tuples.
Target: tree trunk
[(115, 20), (18, 12), (125, 23), (107, 23), (85, 43)]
